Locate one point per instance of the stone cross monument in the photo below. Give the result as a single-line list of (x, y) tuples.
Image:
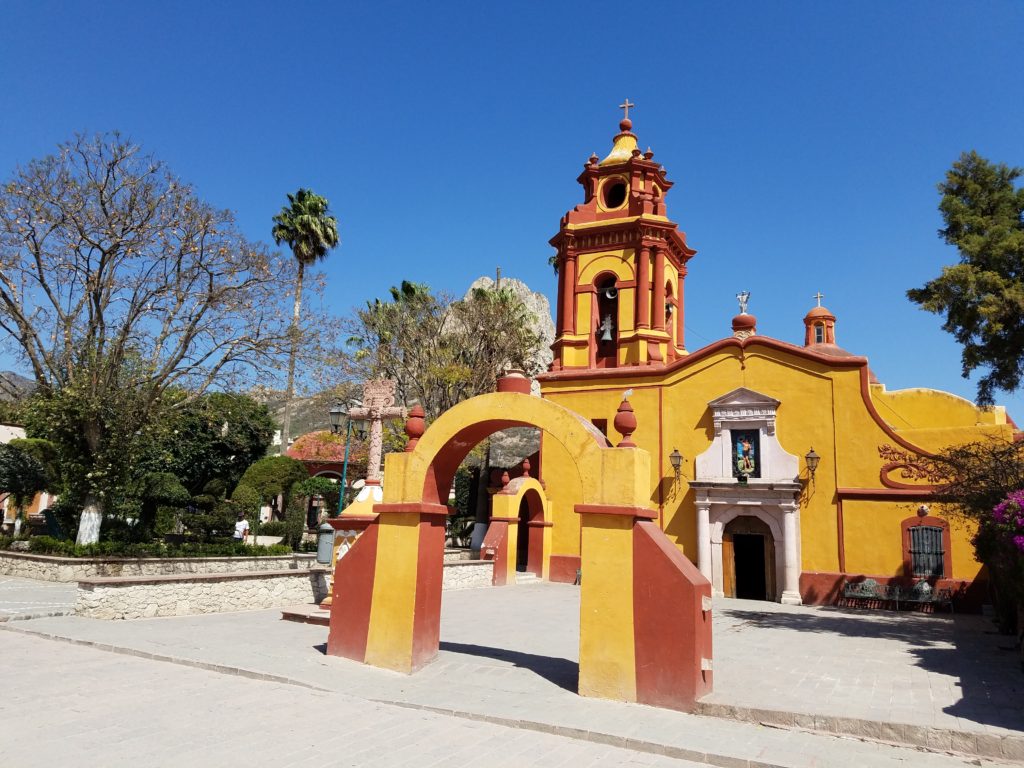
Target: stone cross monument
[(378, 404)]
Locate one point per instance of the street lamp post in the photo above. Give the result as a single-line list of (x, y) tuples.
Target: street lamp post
[(338, 410)]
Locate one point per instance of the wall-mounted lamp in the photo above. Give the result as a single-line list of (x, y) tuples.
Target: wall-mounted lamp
[(677, 462), (812, 460)]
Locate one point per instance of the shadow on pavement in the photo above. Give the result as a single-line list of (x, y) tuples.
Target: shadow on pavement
[(562, 672), (990, 680), (916, 629), (991, 683)]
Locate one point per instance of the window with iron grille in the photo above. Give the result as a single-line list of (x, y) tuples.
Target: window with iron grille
[(926, 552)]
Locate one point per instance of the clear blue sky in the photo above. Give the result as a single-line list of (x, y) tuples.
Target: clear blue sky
[(805, 138)]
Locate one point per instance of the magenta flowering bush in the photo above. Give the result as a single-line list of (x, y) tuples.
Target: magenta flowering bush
[(1008, 518)]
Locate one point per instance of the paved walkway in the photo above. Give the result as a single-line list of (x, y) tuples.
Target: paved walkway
[(508, 656), (26, 599), (93, 708)]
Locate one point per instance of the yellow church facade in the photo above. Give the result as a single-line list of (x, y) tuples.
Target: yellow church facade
[(770, 465)]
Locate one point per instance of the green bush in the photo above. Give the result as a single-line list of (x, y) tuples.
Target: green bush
[(273, 528), (295, 521), (248, 499), (215, 523), (46, 545)]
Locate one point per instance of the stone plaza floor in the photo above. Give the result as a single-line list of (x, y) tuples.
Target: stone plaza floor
[(509, 659), (25, 598)]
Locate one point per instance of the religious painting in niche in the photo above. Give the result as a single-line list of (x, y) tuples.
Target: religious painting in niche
[(746, 452)]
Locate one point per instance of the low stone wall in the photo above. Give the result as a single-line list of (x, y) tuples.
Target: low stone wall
[(456, 554), (184, 595), (50, 568), (465, 574)]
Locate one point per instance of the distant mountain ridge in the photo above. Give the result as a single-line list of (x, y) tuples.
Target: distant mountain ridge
[(14, 386)]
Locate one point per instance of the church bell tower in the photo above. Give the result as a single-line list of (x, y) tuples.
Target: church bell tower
[(621, 265)]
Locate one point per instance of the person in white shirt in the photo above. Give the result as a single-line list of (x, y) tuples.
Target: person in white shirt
[(241, 528)]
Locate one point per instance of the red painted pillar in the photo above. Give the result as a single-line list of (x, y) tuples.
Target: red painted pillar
[(568, 296), (658, 308), (643, 288), (658, 311), (680, 338), (560, 319)]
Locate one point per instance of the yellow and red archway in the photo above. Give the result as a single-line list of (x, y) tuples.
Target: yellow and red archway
[(645, 621)]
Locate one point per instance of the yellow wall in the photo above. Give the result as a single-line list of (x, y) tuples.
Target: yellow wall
[(821, 407), (930, 408)]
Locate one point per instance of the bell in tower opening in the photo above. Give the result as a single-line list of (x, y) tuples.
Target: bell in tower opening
[(608, 314)]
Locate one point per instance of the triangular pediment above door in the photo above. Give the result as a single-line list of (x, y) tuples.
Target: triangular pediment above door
[(740, 397)]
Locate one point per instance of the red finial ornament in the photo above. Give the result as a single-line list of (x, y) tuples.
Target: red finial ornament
[(526, 467), (505, 478), (625, 422), (415, 426)]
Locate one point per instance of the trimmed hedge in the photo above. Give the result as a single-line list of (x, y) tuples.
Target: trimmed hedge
[(46, 545)]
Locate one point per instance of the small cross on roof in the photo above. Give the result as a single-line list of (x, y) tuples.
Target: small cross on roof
[(626, 106)]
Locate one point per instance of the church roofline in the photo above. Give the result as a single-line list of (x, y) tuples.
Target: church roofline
[(854, 361)]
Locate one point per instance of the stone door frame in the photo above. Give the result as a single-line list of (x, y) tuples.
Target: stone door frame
[(718, 504)]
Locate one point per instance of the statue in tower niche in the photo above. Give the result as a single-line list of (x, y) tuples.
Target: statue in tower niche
[(745, 451)]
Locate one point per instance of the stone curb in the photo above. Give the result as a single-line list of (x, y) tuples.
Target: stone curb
[(38, 615), (221, 668), (595, 737), (941, 740)]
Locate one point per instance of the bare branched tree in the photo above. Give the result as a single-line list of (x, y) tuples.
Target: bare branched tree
[(117, 283)]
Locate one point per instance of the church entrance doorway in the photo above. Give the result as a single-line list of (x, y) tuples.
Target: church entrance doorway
[(748, 552), (523, 536)]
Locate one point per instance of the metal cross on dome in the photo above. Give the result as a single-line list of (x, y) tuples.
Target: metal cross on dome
[(819, 296), (626, 107)]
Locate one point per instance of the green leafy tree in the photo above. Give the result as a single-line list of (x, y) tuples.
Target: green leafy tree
[(442, 351), (274, 476), (310, 232), (21, 476), (47, 454), (158, 489), (322, 487), (214, 437), (982, 297), (277, 476), (118, 285)]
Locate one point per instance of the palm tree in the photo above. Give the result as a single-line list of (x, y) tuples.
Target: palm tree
[(310, 232)]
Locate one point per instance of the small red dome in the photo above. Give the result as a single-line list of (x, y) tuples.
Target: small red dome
[(744, 322), (819, 312)]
